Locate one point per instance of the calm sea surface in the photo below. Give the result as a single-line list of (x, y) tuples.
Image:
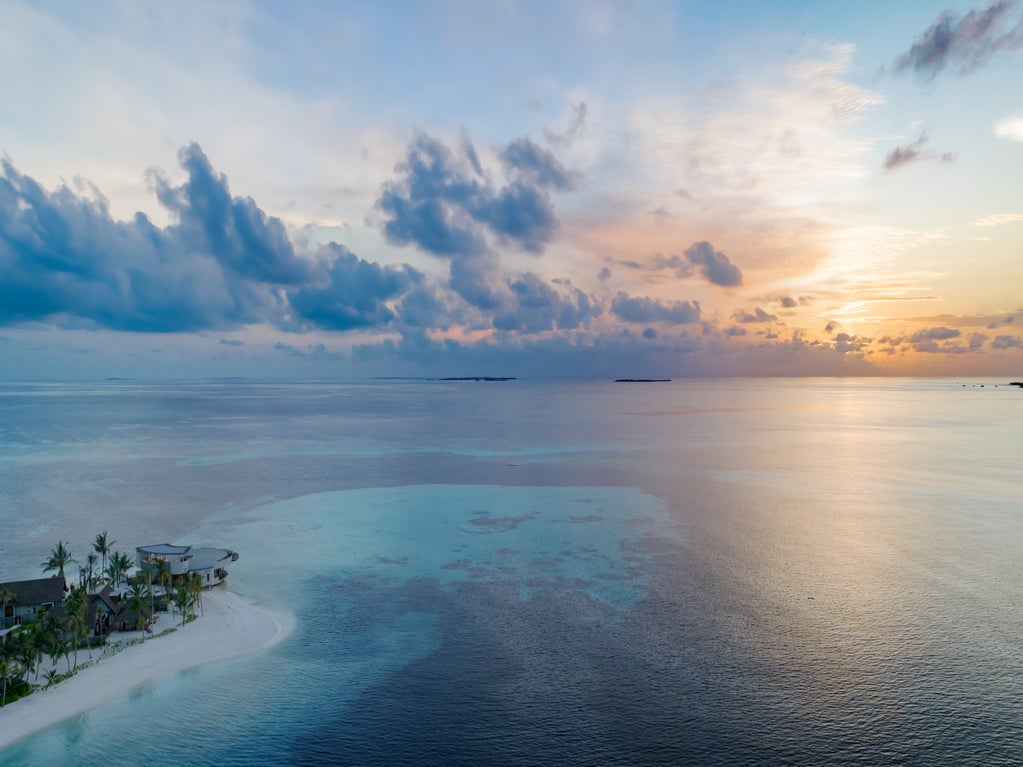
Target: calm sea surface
[(731, 572)]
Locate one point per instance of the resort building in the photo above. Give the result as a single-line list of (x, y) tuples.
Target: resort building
[(30, 597), (210, 563)]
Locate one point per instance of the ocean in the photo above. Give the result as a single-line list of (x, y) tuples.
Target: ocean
[(709, 572)]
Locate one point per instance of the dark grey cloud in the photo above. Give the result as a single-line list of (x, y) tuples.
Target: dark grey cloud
[(65, 260), (644, 310), (846, 343), (914, 152), (240, 235), (1007, 342), (222, 263), (963, 43), (536, 166), (757, 315), (977, 340), (537, 306), (445, 203), (788, 302), (433, 201), (714, 264), (934, 334), (702, 258), (355, 293)]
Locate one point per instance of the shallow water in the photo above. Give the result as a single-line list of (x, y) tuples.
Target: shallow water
[(815, 571)]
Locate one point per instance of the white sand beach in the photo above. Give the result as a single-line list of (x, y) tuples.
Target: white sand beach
[(230, 627)]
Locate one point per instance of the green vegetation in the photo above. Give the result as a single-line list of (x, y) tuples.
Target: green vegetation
[(39, 645)]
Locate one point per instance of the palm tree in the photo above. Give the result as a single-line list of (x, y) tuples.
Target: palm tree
[(6, 668), (138, 600), (50, 675), (28, 652), (120, 563), (163, 573), (6, 595), (103, 547), (183, 600), (90, 564), (75, 608), (195, 587), (60, 557), (49, 635)]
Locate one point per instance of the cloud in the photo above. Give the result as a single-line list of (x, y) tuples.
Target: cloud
[(788, 302), (846, 343), (65, 260), (997, 323), (316, 352), (713, 264), (1007, 342), (1010, 128), (998, 219), (355, 293), (963, 43), (702, 258), (642, 310), (539, 307), (575, 127), (536, 166), (234, 229), (221, 264), (757, 315), (914, 152), (934, 334), (445, 203)]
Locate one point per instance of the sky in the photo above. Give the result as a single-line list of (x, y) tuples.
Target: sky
[(533, 189)]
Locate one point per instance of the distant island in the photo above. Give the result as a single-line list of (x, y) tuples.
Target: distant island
[(478, 378), (1016, 383), (642, 380)]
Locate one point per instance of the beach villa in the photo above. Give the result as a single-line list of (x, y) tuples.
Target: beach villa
[(29, 598), (209, 563)]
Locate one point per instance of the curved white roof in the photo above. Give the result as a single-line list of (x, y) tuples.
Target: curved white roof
[(163, 548)]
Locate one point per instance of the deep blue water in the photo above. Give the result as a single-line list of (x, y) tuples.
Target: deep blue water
[(737, 572)]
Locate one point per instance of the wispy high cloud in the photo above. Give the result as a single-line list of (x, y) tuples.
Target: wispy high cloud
[(914, 152), (998, 219), (963, 43)]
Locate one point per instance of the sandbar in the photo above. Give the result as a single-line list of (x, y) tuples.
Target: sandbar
[(230, 626)]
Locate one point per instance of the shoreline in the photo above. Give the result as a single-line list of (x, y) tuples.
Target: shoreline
[(231, 627)]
